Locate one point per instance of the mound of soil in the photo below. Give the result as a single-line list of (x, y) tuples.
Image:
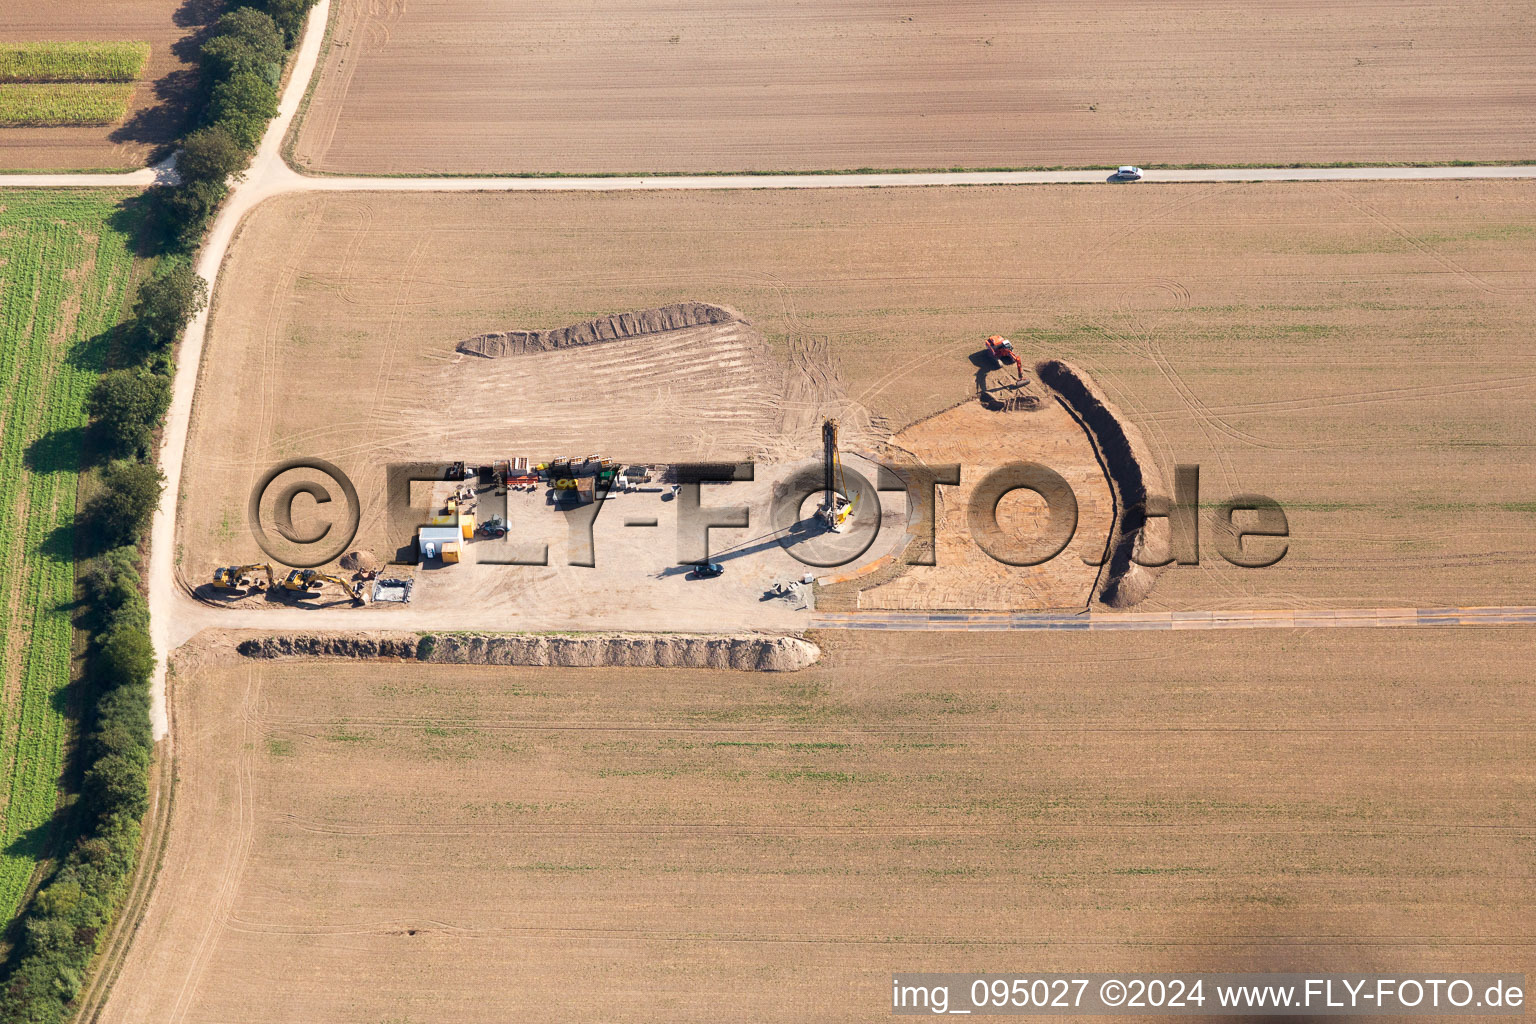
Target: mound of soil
[(1132, 473), (609, 328), (750, 653), (362, 560), (332, 645)]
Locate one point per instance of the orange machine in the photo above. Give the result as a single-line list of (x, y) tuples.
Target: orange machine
[(1001, 349)]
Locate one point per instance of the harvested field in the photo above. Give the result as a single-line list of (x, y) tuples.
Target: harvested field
[(1357, 352), (155, 110), (502, 86), (411, 842)]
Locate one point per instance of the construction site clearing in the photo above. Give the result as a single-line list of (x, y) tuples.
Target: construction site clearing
[(593, 542), (589, 530), (596, 542)]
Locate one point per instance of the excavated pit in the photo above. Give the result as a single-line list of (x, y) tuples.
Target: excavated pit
[(1133, 475), (746, 653)]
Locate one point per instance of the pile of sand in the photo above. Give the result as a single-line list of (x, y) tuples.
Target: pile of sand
[(750, 652), (609, 328), (361, 560)]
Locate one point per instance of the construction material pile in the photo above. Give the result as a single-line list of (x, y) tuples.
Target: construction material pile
[(678, 315), (743, 652)]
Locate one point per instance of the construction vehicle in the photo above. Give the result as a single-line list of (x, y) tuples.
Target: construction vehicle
[(1001, 349), (238, 577), (836, 509), (493, 527), (306, 581)]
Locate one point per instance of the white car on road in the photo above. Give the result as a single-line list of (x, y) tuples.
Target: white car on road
[(1128, 173)]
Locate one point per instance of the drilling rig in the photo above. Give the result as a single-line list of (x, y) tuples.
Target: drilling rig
[(836, 509)]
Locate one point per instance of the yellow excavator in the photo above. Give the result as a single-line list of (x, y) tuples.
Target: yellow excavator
[(240, 577), (305, 581)]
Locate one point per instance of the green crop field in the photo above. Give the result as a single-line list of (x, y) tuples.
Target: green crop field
[(72, 62), (55, 104), (64, 271)]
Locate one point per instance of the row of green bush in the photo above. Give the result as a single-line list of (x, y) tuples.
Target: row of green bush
[(241, 67), (63, 926)]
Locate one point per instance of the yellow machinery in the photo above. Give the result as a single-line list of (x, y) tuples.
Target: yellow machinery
[(238, 577), (303, 581), (836, 508)]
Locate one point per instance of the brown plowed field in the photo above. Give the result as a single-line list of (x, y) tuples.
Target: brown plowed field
[(1360, 352), (502, 86), (156, 109), (399, 842)]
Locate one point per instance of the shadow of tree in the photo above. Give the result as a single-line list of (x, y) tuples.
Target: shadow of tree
[(177, 91), (59, 545), (59, 451), (92, 353), (34, 843)]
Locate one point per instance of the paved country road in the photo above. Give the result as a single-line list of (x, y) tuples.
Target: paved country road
[(1306, 618), (292, 181), (175, 614)]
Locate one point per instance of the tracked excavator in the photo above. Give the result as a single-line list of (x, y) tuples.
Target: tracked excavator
[(306, 581), (239, 577), (836, 508), (1001, 349)]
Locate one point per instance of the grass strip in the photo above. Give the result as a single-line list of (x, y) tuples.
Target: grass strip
[(59, 104), (72, 62)]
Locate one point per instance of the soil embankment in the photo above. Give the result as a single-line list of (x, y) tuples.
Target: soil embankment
[(676, 316), (749, 653), (1132, 474)]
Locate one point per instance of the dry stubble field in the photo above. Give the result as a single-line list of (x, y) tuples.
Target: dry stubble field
[(500, 86), (155, 113), (409, 843), (1359, 352)]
